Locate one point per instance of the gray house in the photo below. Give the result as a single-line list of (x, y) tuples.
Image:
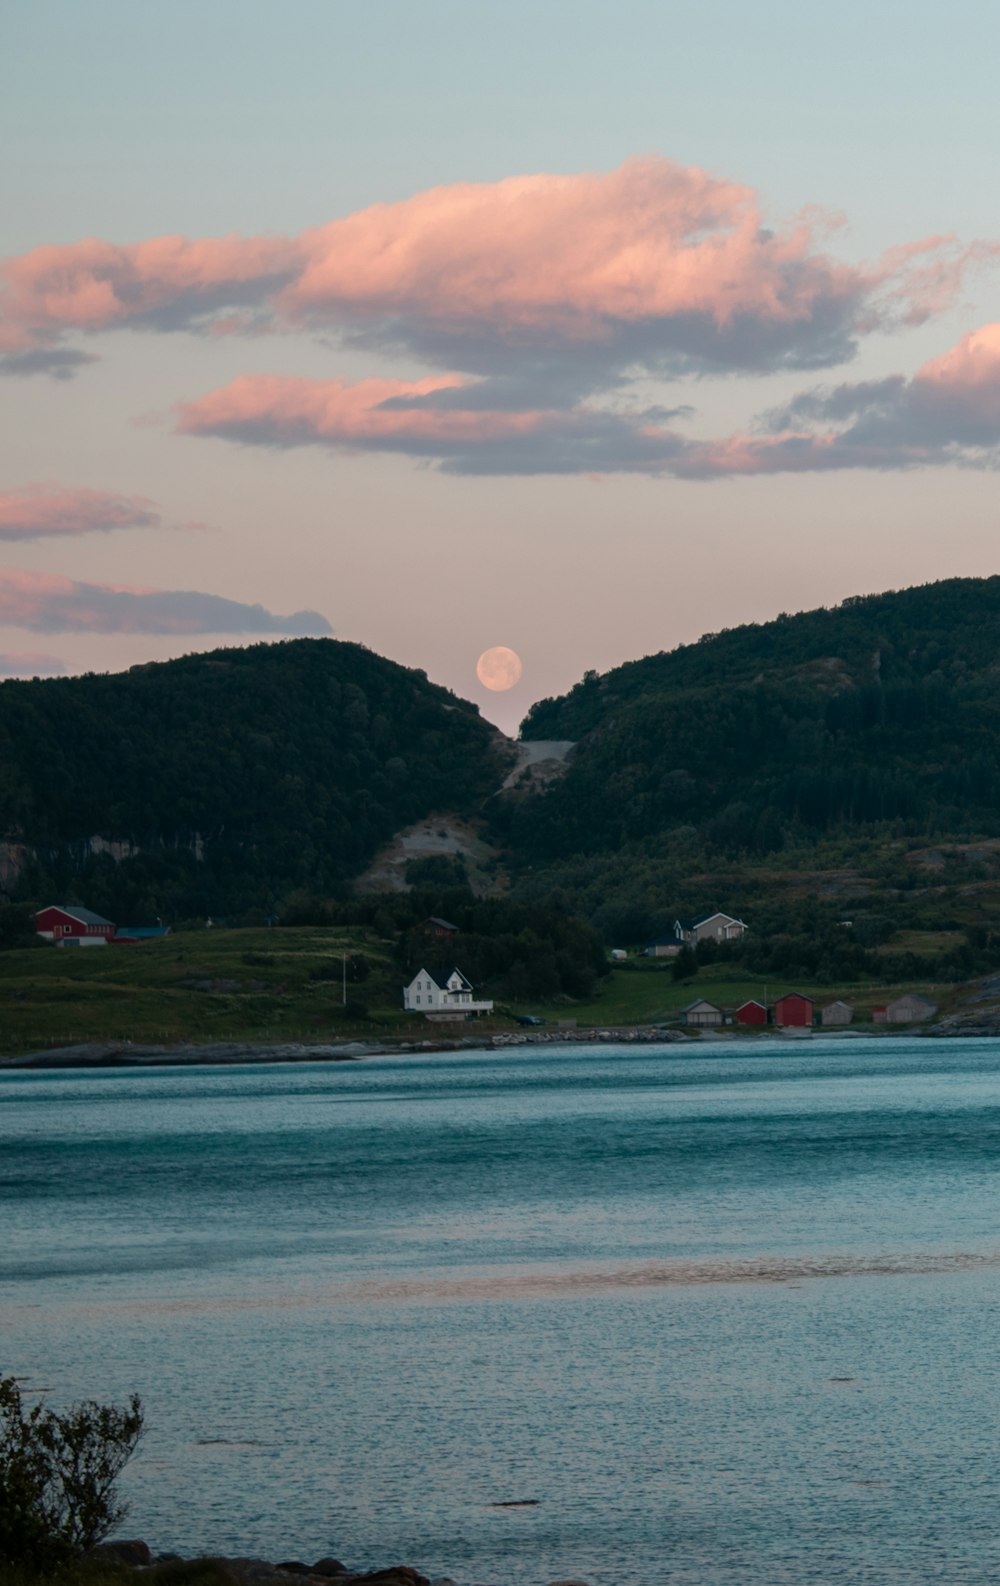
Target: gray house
[(716, 927)]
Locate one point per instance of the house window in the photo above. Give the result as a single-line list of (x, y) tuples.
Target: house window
[(418, 996)]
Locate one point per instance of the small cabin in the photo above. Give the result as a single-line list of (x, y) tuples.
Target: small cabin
[(836, 1013), (909, 1009), (793, 1009), (752, 1012), (702, 1013), (437, 930), (663, 947)]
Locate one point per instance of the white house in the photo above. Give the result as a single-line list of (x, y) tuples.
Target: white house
[(442, 991), (720, 927)]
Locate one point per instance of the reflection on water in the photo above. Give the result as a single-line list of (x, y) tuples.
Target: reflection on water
[(523, 1316)]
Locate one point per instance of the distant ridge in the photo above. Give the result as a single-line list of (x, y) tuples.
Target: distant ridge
[(881, 713)]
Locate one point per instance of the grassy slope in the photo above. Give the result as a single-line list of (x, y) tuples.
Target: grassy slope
[(51, 997)]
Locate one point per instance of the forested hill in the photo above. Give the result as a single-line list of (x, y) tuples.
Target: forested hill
[(883, 709), (238, 775)]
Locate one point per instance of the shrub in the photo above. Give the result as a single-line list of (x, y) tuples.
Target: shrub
[(58, 1474)]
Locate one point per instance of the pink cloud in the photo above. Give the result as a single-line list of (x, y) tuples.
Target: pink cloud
[(95, 285), (948, 413), (568, 252), (37, 511), (49, 603), (439, 418), (649, 265), (967, 377)]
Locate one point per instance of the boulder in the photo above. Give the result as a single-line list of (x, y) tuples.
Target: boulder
[(398, 1575), (134, 1553), (329, 1566)]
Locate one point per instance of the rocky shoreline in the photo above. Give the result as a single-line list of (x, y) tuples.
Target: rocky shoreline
[(128, 1054), (290, 1572)]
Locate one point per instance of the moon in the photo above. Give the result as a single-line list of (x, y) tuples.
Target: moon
[(499, 669)]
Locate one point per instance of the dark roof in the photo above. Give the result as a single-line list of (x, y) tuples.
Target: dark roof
[(441, 977), (435, 919), (85, 916), (800, 995)]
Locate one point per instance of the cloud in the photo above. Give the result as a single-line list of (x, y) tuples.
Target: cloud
[(59, 363), (31, 664), (413, 417), (948, 413), (168, 283), (654, 266), (38, 511), (48, 603)]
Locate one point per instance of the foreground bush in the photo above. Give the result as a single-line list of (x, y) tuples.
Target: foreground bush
[(96, 1571), (58, 1475)]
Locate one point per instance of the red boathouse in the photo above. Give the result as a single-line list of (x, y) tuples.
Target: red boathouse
[(751, 1012), (794, 1009)]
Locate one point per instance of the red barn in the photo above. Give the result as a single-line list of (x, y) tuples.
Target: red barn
[(67, 925), (751, 1012), (794, 1008)]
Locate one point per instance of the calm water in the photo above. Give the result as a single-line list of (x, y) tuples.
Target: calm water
[(732, 1319)]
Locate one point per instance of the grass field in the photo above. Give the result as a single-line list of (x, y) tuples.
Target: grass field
[(284, 985)]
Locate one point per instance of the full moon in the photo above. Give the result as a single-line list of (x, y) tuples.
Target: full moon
[(499, 668)]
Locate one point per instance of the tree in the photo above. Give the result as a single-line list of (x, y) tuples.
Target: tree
[(685, 965), (58, 1474)]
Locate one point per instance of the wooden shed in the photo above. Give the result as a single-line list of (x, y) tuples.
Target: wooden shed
[(702, 1013), (836, 1013), (909, 1009), (751, 1012), (793, 1009)]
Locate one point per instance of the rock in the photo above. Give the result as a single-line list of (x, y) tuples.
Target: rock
[(398, 1575), (134, 1553), (251, 1571), (329, 1566), (294, 1566)]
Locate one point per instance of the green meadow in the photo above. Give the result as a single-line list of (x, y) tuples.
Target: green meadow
[(286, 985)]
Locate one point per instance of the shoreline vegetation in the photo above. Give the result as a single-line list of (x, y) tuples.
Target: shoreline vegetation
[(126, 1054), (122, 1563), (238, 995)]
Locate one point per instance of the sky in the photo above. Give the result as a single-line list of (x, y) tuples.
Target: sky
[(437, 326)]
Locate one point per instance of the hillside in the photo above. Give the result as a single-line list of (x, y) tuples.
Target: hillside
[(221, 783), (796, 767), (884, 709)]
